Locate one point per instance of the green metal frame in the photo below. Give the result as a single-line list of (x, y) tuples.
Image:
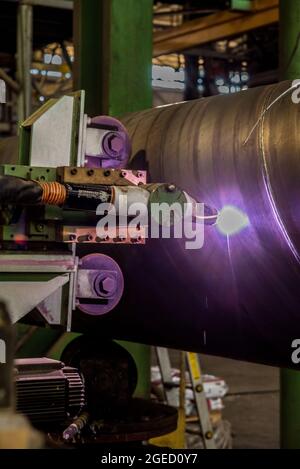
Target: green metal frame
[(113, 63), (243, 5), (289, 70), (113, 54)]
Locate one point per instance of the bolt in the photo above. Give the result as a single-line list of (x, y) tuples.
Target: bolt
[(115, 143), (73, 171), (39, 227), (102, 238), (199, 388), (107, 173), (137, 239), (84, 238), (171, 188), (106, 286), (72, 237), (90, 172), (209, 435)]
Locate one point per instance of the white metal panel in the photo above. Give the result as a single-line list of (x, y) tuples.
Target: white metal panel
[(52, 135)]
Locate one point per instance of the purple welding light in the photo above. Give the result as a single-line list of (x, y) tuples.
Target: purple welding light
[(231, 220)]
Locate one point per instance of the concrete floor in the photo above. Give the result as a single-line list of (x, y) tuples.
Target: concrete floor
[(252, 406)]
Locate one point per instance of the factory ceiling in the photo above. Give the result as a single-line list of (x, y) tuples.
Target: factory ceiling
[(210, 30)]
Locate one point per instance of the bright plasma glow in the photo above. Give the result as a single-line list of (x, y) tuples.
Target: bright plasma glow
[(231, 220)]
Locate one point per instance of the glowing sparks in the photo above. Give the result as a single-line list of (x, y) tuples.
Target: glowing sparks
[(231, 220)]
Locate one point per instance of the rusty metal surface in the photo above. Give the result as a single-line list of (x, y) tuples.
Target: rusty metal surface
[(109, 177), (238, 296)]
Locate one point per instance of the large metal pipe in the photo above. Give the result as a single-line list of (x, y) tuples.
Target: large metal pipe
[(238, 296)]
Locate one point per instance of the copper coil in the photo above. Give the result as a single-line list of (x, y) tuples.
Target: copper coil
[(54, 193)]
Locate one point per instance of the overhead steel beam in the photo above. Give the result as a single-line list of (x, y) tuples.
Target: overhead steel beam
[(61, 4), (215, 27)]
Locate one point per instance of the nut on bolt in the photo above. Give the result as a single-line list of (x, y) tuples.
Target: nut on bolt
[(108, 285), (105, 285), (115, 143)]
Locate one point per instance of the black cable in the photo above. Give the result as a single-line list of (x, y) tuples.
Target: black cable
[(18, 191)]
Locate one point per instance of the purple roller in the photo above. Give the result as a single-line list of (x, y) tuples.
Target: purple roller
[(100, 284), (114, 144)]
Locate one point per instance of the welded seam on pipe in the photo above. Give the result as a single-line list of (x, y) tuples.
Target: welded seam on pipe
[(267, 179), (296, 85)]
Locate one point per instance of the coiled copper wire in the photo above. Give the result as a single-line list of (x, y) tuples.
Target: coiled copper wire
[(54, 193)]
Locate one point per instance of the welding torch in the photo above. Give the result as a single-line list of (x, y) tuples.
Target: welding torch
[(23, 192)]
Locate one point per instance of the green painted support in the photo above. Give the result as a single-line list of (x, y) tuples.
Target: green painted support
[(289, 69), (243, 5), (141, 355), (34, 341), (113, 54), (113, 62), (289, 11), (127, 56), (88, 64), (289, 409)]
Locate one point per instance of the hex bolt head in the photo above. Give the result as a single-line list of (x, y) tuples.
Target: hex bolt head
[(115, 143), (108, 285), (105, 285)]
